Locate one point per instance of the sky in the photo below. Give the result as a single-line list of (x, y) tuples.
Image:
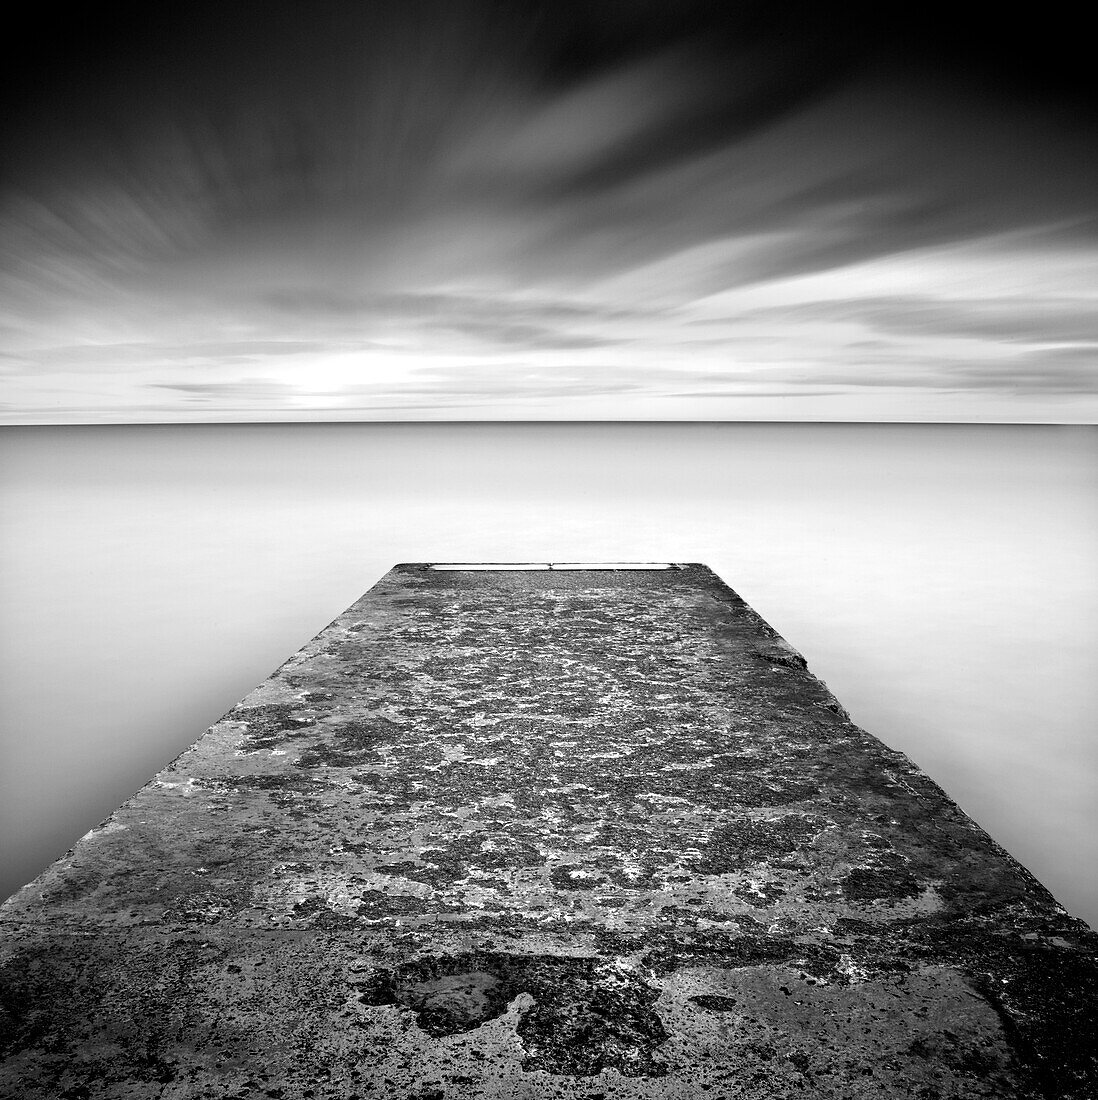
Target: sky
[(617, 209)]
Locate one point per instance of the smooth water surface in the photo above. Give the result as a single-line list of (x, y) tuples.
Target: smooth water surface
[(942, 580)]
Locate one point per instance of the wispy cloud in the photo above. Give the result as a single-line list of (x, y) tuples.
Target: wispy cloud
[(1005, 319), (143, 355), (313, 301), (247, 391), (375, 206), (487, 321)]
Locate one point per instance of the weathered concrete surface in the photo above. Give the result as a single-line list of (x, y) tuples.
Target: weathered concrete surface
[(543, 834)]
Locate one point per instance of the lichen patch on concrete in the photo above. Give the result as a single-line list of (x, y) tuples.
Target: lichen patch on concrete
[(540, 833)]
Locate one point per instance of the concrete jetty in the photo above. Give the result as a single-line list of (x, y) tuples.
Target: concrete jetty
[(543, 832)]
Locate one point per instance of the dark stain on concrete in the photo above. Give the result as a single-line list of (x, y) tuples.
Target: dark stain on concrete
[(270, 725), (581, 1016), (352, 743), (887, 878), (713, 1002), (746, 841)]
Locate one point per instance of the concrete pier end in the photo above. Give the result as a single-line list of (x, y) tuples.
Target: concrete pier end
[(543, 830)]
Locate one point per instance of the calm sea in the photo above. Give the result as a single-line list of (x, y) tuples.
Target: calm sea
[(942, 580)]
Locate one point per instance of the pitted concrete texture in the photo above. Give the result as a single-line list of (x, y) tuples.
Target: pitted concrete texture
[(541, 833)]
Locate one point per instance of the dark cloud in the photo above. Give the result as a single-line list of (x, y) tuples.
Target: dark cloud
[(315, 301), (1004, 319), (1067, 371), (1006, 322), (869, 170), (506, 323), (246, 117), (1053, 371), (510, 334)]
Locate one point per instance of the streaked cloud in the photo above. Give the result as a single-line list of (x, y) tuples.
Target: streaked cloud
[(120, 357), (429, 207), (1002, 320)]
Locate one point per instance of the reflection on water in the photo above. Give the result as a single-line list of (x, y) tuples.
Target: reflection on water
[(940, 579)]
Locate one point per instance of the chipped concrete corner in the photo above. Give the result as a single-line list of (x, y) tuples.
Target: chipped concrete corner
[(536, 833)]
